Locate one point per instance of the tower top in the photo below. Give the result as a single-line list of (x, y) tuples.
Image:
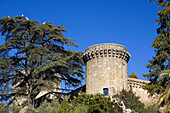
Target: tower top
[(106, 50), (106, 45)]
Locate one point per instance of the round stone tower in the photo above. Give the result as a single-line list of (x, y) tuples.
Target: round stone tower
[(106, 68)]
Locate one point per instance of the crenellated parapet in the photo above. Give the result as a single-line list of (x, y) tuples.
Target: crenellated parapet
[(136, 83), (106, 50), (136, 86)]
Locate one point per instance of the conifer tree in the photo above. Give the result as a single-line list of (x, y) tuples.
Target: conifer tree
[(132, 75), (3, 109), (34, 58), (161, 45)]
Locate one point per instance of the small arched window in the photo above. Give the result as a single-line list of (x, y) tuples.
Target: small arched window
[(105, 91)]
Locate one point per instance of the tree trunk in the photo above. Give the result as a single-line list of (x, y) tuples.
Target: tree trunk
[(30, 100)]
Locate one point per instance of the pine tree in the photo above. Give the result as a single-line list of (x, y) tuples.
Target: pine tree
[(161, 45), (34, 58), (3, 109), (162, 48)]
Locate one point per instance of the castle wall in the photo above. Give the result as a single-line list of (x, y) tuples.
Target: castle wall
[(136, 85), (106, 67)]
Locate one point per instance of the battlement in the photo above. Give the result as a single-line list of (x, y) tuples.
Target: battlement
[(136, 83), (106, 50)]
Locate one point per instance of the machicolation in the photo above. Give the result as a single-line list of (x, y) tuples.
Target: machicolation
[(106, 50)]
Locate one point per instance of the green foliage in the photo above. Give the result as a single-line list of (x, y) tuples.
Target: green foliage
[(164, 99), (3, 109), (34, 59), (30, 110), (96, 103), (160, 84), (151, 109), (86, 103), (15, 109), (161, 45), (79, 108), (48, 107), (132, 75), (130, 100), (64, 107)]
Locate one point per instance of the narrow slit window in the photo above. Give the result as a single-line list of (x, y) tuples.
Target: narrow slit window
[(105, 91)]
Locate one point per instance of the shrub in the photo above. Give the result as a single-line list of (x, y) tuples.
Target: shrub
[(131, 101), (132, 75), (48, 107), (15, 108), (97, 103), (64, 107), (3, 109)]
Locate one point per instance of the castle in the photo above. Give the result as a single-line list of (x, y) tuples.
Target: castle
[(106, 71)]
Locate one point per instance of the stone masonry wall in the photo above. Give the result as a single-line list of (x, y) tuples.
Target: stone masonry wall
[(136, 85), (106, 67)]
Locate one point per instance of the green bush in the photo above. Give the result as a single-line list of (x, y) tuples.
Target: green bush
[(151, 109), (97, 103), (132, 75), (131, 101), (15, 108), (64, 107), (88, 103), (79, 108), (48, 107), (3, 109)]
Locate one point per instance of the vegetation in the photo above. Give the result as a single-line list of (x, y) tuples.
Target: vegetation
[(165, 97), (15, 108), (79, 108), (130, 100), (48, 107), (34, 58), (65, 107), (96, 103), (88, 103), (151, 109), (132, 75), (160, 83), (3, 109)]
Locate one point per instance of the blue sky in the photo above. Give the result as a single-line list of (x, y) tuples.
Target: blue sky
[(127, 22)]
